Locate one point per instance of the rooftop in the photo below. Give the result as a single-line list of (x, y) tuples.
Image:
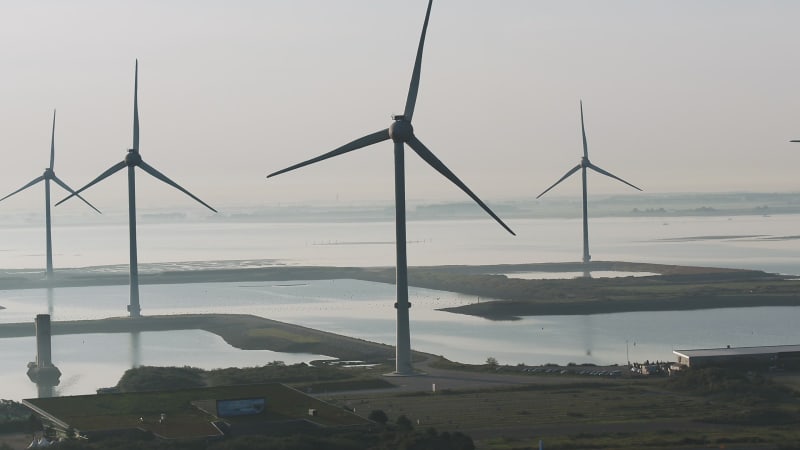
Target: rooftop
[(737, 351)]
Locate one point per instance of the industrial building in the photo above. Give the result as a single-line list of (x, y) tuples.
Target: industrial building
[(769, 355)]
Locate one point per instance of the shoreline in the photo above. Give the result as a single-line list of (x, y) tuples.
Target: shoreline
[(12, 279), (673, 288), (242, 331)]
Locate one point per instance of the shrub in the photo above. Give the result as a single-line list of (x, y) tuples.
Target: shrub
[(377, 415)]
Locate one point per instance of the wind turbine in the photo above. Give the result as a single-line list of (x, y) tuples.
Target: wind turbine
[(131, 161), (402, 133), (49, 174), (585, 164)]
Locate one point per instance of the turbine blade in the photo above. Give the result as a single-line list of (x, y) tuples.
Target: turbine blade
[(115, 168), (152, 171), (136, 107), (369, 139), (608, 174), (72, 191), (794, 141), (53, 142), (413, 89), (434, 162), (583, 133), (38, 179), (571, 171)]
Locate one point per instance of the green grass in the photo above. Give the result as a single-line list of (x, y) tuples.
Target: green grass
[(281, 334), (97, 412), (628, 414)]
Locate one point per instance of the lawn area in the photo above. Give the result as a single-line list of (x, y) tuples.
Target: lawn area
[(118, 411), (628, 414)]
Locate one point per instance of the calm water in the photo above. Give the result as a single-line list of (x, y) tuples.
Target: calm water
[(751, 242), (98, 360), (364, 310)]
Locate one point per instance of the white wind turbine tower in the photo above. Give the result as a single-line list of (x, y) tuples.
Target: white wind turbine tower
[(402, 133), (582, 166), (49, 174), (131, 161)]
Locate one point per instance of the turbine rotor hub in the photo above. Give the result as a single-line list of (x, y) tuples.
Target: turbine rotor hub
[(401, 130), (48, 173), (133, 158)]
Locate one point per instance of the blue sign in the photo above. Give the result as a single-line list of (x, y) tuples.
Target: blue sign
[(240, 407)]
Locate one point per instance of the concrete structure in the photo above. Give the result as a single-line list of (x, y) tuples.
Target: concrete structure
[(42, 371), (737, 355), (44, 348)]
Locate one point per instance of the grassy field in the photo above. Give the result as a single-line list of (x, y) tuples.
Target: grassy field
[(625, 414), (697, 409), (120, 411)]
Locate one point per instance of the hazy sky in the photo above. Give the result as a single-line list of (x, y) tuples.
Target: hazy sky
[(678, 95)]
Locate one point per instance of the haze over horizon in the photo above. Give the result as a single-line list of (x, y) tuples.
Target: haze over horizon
[(679, 96)]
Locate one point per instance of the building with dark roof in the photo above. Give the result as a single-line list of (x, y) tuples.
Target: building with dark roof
[(771, 355)]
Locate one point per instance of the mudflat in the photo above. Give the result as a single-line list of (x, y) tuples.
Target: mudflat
[(241, 331), (665, 287)]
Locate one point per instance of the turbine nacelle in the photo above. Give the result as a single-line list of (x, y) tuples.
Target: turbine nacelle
[(133, 158), (402, 133), (401, 129), (48, 173)]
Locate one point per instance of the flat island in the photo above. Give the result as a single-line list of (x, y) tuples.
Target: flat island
[(671, 288), (507, 298)]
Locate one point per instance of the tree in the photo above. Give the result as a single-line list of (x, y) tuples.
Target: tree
[(404, 423), (491, 361), (377, 415)]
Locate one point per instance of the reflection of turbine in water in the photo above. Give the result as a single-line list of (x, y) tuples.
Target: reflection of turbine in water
[(45, 390), (401, 132), (66, 385), (50, 301), (136, 349), (587, 334)]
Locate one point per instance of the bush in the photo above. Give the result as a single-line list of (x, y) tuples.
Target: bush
[(378, 416), (148, 378), (404, 423), (741, 385)]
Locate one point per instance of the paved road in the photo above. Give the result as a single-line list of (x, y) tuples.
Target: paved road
[(446, 379)]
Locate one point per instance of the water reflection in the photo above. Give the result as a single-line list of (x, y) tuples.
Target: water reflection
[(136, 349), (587, 334), (50, 301), (569, 275)]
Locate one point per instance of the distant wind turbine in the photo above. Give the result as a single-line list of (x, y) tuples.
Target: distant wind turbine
[(133, 159), (401, 132), (585, 164), (49, 174)]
